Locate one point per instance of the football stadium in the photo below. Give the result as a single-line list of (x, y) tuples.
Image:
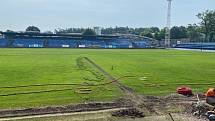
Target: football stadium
[(33, 76), (109, 73), (43, 40)]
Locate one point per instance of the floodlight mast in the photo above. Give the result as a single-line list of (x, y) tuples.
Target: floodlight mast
[(168, 25)]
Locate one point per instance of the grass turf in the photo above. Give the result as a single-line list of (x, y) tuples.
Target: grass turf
[(156, 72)]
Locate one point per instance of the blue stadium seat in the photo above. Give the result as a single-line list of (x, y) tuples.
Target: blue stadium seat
[(141, 44), (61, 43), (28, 43), (118, 43), (3, 42)]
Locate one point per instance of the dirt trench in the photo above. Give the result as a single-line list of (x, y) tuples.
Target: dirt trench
[(154, 105)]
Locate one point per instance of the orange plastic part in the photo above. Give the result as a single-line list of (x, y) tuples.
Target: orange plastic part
[(210, 93)]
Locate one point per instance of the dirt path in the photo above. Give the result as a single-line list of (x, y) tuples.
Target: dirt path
[(150, 104), (62, 114), (137, 100), (62, 109), (125, 89), (111, 78)]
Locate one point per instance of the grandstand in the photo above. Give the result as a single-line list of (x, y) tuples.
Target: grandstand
[(43, 40), (3, 42), (205, 46), (28, 43)]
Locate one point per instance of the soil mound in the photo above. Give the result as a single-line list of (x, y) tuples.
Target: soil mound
[(133, 113)]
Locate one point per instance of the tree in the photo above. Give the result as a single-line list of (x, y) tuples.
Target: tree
[(147, 32), (150, 35), (32, 29), (89, 32), (178, 32), (160, 35), (194, 32), (155, 29), (10, 31), (207, 24), (69, 30)]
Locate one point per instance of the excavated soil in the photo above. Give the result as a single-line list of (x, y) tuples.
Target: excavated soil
[(64, 109), (151, 106)]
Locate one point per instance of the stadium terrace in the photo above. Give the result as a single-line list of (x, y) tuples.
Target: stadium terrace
[(44, 40)]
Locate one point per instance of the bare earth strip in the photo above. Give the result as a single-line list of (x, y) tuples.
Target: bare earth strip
[(63, 114), (62, 109)]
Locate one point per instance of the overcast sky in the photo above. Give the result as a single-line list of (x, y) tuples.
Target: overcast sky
[(51, 14)]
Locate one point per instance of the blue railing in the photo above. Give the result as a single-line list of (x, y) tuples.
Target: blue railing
[(206, 46)]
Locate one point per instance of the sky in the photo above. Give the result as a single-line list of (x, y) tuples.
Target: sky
[(17, 15)]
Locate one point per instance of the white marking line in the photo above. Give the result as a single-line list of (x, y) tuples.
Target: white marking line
[(61, 114), (142, 78)]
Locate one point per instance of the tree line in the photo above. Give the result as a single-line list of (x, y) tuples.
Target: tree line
[(203, 31)]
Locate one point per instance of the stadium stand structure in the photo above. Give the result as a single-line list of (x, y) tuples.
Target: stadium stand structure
[(205, 46), (61, 43), (28, 43), (3, 42), (42, 40)]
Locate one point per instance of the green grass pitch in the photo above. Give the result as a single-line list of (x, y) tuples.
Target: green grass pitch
[(156, 72)]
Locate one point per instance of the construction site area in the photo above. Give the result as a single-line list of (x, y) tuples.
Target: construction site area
[(104, 90)]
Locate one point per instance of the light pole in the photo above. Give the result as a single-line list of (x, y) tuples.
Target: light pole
[(168, 25)]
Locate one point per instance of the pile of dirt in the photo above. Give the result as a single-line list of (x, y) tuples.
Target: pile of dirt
[(125, 102), (132, 113), (194, 108), (174, 103)]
